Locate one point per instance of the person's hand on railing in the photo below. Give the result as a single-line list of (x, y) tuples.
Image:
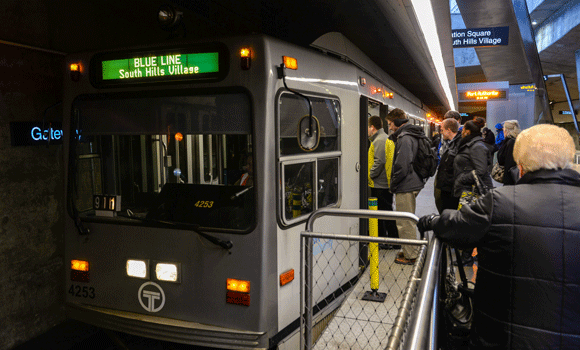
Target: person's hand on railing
[(425, 223)]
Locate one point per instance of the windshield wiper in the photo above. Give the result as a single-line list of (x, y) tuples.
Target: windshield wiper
[(236, 195), (227, 245)]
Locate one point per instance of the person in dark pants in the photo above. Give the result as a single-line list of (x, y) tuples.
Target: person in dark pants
[(527, 288), (505, 155), (442, 146), (381, 153), (444, 178)]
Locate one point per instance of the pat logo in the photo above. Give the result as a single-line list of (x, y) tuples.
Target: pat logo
[(151, 297)]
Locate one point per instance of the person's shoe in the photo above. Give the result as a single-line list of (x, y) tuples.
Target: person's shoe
[(404, 261)]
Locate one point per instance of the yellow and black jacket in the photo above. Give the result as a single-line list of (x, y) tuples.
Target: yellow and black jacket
[(381, 153)]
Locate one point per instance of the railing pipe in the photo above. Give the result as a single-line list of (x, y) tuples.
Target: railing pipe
[(360, 213), (420, 327), (398, 330), (307, 304)]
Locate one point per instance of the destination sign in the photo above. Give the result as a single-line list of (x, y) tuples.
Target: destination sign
[(159, 66), (201, 62), (480, 37), (482, 95)]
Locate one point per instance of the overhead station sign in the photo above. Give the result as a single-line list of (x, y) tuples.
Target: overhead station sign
[(482, 95), (480, 37), (200, 63)]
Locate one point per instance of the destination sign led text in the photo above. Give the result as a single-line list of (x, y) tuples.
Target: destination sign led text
[(482, 95), (159, 66)]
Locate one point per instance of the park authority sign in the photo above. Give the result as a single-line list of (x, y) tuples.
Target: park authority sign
[(478, 37)]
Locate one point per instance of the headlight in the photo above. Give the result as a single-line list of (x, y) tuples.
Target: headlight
[(137, 268), (167, 272)]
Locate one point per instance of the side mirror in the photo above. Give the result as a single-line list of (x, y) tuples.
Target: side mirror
[(308, 133)]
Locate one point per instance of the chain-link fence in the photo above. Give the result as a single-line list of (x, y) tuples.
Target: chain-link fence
[(342, 309)]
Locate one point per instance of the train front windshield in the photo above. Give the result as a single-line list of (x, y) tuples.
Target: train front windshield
[(164, 160)]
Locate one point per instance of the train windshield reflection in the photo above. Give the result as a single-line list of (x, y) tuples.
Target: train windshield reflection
[(178, 159)]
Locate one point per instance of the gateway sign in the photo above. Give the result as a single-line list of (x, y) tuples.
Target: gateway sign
[(480, 37)]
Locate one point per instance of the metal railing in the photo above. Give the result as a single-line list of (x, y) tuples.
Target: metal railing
[(415, 322)]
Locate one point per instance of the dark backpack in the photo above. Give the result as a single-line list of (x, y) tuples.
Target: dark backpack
[(425, 162)]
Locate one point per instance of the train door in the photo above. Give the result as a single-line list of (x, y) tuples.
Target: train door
[(368, 108)]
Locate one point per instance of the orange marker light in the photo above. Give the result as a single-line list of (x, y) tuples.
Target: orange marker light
[(238, 285), (75, 71), (287, 277), (79, 265), (245, 58), (178, 136), (245, 52), (290, 62)]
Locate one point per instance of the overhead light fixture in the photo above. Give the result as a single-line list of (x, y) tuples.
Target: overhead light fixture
[(426, 18), (534, 23)]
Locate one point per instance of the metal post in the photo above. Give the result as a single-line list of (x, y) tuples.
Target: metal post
[(309, 296), (373, 294)]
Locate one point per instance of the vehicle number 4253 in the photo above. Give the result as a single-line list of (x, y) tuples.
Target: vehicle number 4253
[(82, 292), (204, 204)]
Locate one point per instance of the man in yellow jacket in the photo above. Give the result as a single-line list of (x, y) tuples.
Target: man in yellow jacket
[(381, 153)]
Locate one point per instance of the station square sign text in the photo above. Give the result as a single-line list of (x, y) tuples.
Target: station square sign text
[(476, 37)]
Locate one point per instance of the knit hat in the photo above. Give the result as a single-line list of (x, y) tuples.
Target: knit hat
[(498, 126)]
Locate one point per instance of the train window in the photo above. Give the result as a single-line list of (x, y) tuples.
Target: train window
[(182, 159), (308, 181), (292, 108), (298, 193), (327, 187)]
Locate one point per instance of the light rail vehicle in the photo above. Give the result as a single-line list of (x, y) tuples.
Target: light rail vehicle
[(191, 170)]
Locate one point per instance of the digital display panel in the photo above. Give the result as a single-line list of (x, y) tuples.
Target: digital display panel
[(200, 62), (483, 95), (160, 66)]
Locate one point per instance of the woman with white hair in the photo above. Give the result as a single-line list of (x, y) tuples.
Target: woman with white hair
[(527, 237), (505, 157)]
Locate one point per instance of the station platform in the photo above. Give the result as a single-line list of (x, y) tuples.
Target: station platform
[(362, 324)]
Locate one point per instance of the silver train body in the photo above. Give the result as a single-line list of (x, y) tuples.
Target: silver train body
[(162, 239)]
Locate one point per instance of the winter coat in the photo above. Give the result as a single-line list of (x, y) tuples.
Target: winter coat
[(528, 280), (404, 179), (499, 138), (505, 157), (380, 160), (472, 154), (489, 140), (445, 177)]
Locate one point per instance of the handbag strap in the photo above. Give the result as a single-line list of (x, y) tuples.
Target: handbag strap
[(482, 189)]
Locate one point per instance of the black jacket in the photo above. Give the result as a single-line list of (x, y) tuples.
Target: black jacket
[(445, 177), (528, 283), (472, 154), (403, 177), (505, 157)]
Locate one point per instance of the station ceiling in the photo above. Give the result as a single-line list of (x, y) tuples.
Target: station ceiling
[(385, 30), (519, 62)]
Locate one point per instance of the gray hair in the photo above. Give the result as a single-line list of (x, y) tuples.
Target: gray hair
[(511, 128), (544, 146)]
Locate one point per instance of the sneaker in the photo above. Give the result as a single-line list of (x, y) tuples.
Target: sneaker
[(404, 261)]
